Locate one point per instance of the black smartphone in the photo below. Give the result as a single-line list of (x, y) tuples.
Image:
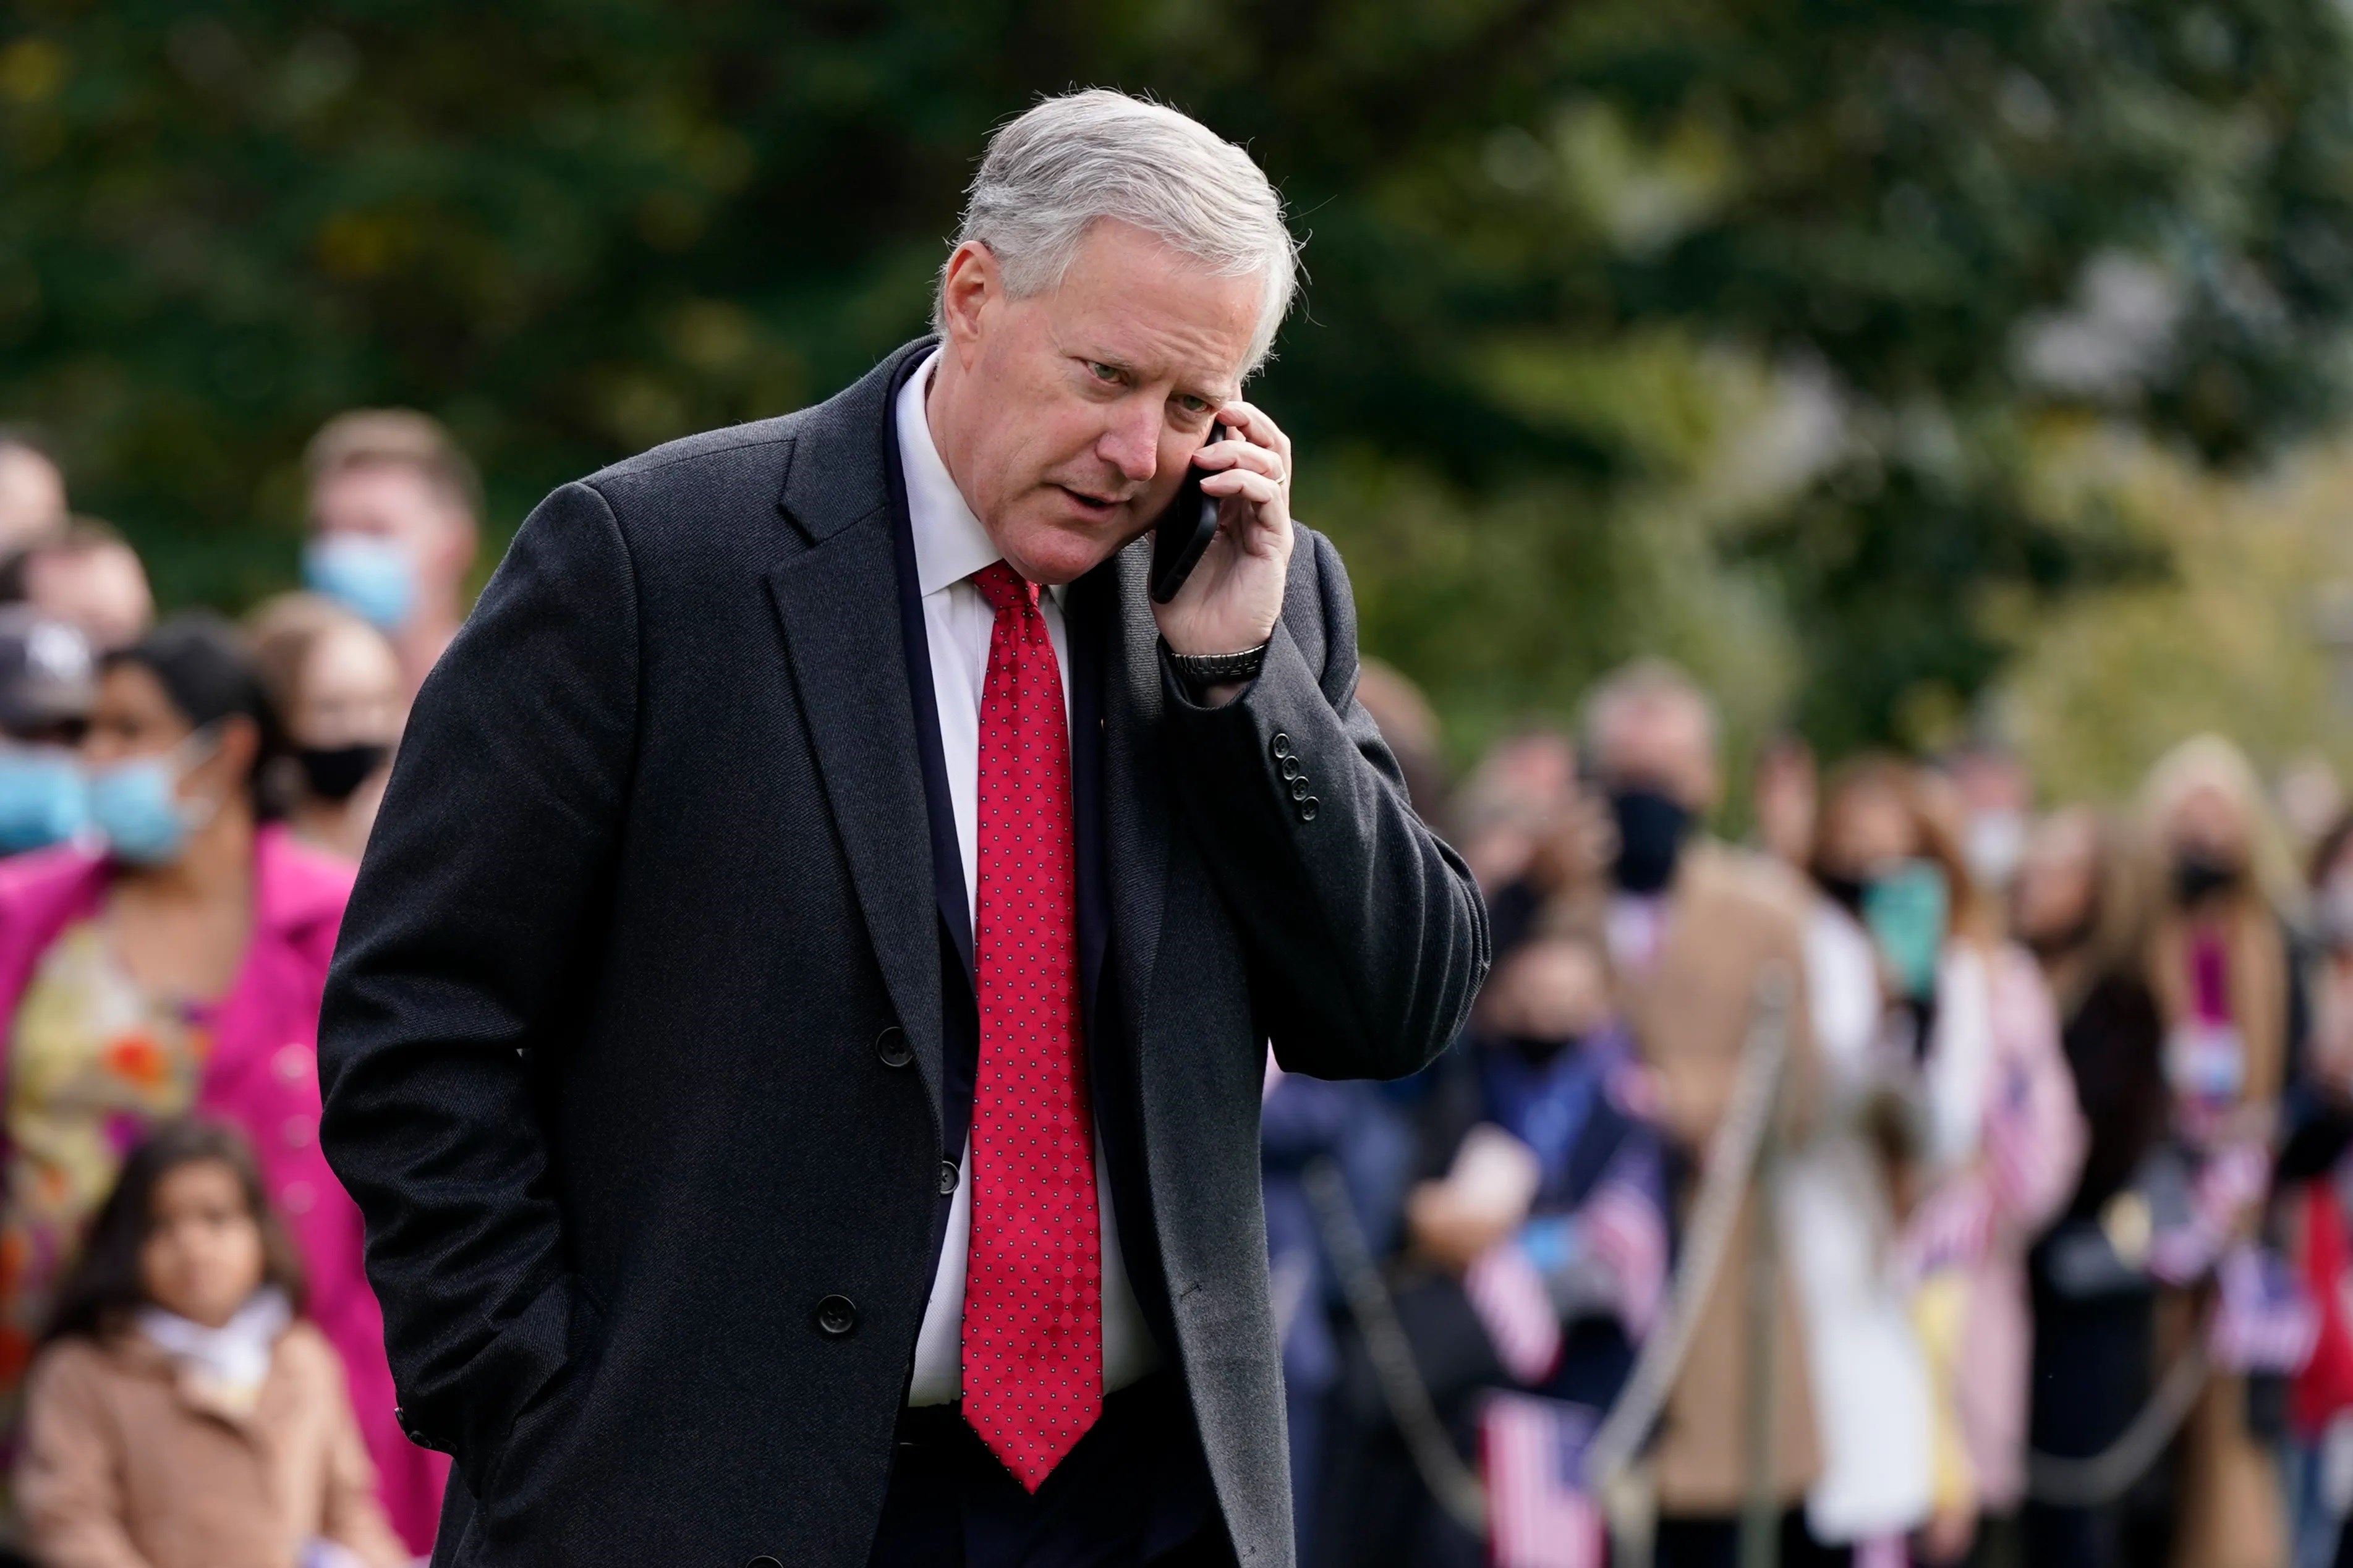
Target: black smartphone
[(1184, 531)]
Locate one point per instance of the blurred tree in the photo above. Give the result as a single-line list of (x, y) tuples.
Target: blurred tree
[(1558, 249)]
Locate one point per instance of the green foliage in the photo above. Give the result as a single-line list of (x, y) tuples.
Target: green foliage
[(1557, 250)]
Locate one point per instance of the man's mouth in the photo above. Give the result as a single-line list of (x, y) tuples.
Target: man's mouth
[(1094, 506)]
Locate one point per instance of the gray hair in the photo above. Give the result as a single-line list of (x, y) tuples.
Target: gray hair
[(1071, 161)]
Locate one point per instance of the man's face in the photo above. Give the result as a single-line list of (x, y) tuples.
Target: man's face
[(1087, 402), (395, 501), (1660, 743)]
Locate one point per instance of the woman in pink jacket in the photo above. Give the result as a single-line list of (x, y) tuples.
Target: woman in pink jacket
[(176, 966)]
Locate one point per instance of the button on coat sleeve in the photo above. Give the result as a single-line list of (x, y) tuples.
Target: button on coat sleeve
[(1368, 937), (462, 961)]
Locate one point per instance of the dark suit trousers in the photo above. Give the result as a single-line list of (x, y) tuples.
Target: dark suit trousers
[(1134, 1490)]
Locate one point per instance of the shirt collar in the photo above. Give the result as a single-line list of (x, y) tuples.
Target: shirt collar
[(950, 542)]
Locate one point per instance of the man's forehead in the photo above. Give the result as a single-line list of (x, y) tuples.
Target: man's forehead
[(1654, 723), (1132, 301)]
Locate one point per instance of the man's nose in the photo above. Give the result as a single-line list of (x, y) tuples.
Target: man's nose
[(1131, 444)]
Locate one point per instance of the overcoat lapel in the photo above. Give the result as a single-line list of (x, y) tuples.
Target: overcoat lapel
[(837, 601)]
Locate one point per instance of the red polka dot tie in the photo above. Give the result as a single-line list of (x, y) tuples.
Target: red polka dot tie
[(1033, 1300)]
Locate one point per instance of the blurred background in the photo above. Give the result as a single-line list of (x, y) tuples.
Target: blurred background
[(1910, 372)]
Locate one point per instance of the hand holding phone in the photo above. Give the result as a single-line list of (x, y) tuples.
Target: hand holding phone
[(1221, 555)]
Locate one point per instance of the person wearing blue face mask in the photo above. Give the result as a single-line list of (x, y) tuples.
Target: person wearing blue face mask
[(171, 960), (394, 523)]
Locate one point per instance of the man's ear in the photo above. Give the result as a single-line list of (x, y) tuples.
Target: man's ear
[(970, 284)]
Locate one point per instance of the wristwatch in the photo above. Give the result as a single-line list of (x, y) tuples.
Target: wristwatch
[(1202, 670)]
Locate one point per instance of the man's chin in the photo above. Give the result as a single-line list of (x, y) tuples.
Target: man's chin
[(1064, 552)]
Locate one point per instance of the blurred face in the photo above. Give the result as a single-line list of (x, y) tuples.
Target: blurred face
[(1073, 413), (202, 1256), (133, 717), (2206, 823), (396, 502), (2057, 879), (1660, 743), (32, 497), (102, 590), (1551, 989), (1867, 828), (350, 693)]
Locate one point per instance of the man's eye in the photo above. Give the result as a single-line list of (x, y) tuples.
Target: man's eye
[(1103, 372), (1192, 404)]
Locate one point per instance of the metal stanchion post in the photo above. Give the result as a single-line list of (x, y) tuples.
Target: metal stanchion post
[(1760, 1506)]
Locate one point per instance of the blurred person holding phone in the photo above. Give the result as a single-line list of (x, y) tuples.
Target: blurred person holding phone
[(806, 996), (1536, 1237), (172, 960), (337, 682), (1996, 1141), (396, 510)]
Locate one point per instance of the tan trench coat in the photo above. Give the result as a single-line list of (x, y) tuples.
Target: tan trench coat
[(1729, 914)]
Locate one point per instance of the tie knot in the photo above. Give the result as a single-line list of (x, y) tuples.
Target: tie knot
[(1004, 588)]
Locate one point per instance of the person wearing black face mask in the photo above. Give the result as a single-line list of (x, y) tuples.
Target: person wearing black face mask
[(338, 681), (1531, 1156), (1693, 927), (1652, 826), (2219, 964)]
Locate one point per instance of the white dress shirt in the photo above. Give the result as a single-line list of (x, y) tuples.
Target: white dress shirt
[(950, 546)]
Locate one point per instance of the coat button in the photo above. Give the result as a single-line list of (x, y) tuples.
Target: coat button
[(892, 1045), (1281, 744), (837, 1315), (1308, 807), (294, 1063), (1289, 768), (948, 1174), (1299, 789), (299, 1131), (764, 1563), (297, 1197)]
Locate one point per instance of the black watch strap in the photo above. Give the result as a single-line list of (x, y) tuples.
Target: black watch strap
[(1203, 671)]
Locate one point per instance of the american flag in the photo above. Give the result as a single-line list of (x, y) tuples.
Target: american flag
[(1950, 1227), (1516, 1311), (2264, 1321), (1539, 1516), (2231, 1179), (1626, 1229), (2028, 1165)]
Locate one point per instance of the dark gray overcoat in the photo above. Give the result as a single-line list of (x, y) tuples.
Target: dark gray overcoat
[(651, 880)]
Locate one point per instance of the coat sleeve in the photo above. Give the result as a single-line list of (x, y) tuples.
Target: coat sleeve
[(1366, 935), (67, 1468), (461, 960)]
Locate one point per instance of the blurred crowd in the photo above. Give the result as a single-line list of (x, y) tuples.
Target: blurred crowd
[(191, 1369), (1924, 1180), (2032, 1249)]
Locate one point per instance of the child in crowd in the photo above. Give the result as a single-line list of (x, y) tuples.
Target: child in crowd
[(179, 1415)]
